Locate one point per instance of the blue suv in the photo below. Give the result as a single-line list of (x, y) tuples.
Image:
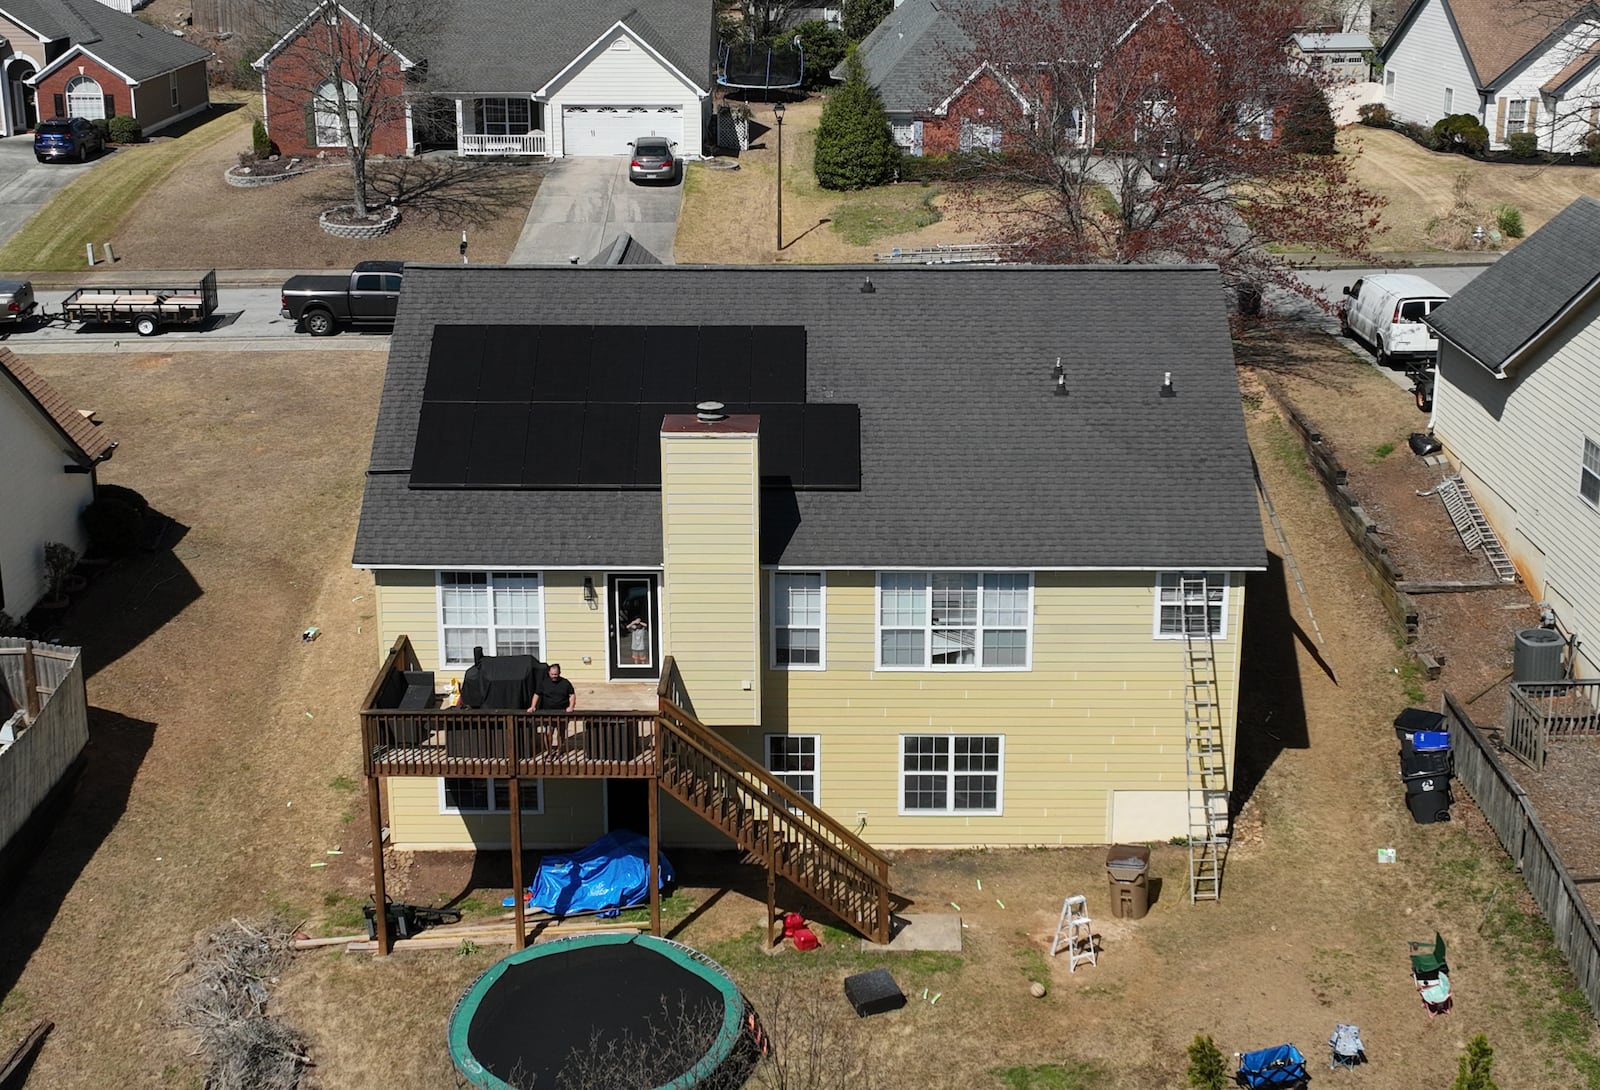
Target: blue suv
[(67, 138)]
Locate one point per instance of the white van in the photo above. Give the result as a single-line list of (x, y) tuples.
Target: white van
[(1386, 311)]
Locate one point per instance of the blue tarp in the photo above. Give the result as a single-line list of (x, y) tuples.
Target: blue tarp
[(611, 873), (1280, 1066)]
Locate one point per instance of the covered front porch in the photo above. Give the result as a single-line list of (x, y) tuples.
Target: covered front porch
[(490, 125)]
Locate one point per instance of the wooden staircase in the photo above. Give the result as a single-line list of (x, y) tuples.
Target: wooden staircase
[(792, 838)]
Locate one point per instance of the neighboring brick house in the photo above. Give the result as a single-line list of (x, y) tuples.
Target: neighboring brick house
[(941, 97), (79, 58), (520, 77)]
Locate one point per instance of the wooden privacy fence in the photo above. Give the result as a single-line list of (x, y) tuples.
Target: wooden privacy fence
[(1512, 817), (45, 682), (1381, 571)]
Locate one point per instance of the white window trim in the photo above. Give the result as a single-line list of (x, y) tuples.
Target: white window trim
[(1522, 122), (927, 644), (816, 771), (901, 773), (99, 97), (445, 808), (772, 624), (438, 609), (172, 85), (1585, 471), (1222, 624), (325, 105)]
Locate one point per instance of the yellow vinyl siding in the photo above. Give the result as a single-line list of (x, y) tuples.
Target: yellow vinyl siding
[(1101, 710), (408, 605), (574, 814), (710, 502)]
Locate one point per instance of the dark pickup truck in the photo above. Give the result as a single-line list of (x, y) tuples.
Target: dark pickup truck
[(320, 305)]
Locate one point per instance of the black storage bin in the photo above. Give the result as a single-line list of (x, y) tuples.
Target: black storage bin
[(1414, 719), (1418, 785), (1428, 807), (1427, 763)]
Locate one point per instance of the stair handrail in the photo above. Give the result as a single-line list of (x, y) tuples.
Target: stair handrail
[(699, 736)]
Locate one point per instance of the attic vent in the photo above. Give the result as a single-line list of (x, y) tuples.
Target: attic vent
[(621, 43), (709, 412)]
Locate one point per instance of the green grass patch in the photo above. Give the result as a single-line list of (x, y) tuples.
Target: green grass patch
[(1068, 1076), (93, 206), (673, 908), (473, 906), (889, 210), (1410, 672), (746, 956), (1381, 451), (1284, 448), (342, 782), (341, 914)]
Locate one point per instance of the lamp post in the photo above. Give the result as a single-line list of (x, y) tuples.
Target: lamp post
[(777, 114)]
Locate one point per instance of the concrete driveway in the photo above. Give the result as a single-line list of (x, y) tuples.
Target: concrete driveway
[(26, 183), (584, 203)]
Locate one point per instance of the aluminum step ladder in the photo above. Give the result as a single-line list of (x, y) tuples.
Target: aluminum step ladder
[(1075, 933), (1474, 529), (1205, 761)]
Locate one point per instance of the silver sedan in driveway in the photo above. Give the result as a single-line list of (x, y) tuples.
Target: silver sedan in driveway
[(653, 160)]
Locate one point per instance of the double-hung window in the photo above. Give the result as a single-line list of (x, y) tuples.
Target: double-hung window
[(798, 620), (503, 116), (951, 773), (792, 758), (501, 612), (1181, 596), (955, 620), (487, 795), (1589, 478), (1516, 115)]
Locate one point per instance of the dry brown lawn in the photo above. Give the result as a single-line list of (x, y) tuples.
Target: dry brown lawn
[(196, 220), (730, 217), (224, 763), (1420, 186)]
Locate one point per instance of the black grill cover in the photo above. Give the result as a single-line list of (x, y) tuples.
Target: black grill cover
[(500, 682)]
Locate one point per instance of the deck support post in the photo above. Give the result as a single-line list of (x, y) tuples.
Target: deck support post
[(773, 930), (518, 911), (655, 856), (380, 895)]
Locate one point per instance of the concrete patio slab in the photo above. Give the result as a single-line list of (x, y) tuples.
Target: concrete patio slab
[(584, 203), (921, 931)]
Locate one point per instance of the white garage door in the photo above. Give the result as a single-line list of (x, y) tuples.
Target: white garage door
[(606, 130)]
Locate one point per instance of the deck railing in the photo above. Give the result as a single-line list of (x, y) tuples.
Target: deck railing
[(520, 143)]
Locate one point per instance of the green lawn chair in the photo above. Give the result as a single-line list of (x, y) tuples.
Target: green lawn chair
[(1427, 959)]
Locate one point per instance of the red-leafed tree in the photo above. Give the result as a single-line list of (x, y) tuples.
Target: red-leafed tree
[(1150, 132)]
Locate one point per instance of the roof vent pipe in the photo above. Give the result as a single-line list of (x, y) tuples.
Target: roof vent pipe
[(867, 287), (1166, 385), (709, 412), (1061, 378)]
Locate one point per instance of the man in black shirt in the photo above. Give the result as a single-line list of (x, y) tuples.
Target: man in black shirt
[(554, 693)]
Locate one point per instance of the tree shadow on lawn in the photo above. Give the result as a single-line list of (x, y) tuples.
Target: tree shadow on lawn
[(446, 192), (70, 836)]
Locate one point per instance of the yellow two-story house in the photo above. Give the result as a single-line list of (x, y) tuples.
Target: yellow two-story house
[(923, 542)]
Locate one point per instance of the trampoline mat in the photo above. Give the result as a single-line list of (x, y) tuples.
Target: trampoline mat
[(598, 1000)]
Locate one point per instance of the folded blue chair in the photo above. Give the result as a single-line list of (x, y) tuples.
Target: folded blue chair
[(1272, 1067), (1346, 1046)]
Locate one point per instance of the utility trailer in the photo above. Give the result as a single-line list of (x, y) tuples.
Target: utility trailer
[(147, 309)]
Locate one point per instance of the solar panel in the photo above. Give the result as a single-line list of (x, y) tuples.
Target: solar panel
[(499, 434), (444, 439), (610, 445), (647, 464), (454, 361), (833, 446), (563, 373), (782, 443), (723, 371), (670, 357), (555, 435), (778, 363), (508, 364), (616, 371)]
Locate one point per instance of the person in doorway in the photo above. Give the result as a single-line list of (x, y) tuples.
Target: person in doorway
[(639, 641), (554, 693)]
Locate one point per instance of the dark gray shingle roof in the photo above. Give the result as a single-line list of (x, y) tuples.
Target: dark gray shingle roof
[(914, 55), (1518, 296), (623, 250), (968, 458), (132, 47), (520, 45)]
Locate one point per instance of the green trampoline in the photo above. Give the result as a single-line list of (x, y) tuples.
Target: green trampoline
[(584, 1011)]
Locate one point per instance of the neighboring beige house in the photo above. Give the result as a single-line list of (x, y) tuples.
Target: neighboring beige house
[(49, 451), (1515, 67), (1517, 407), (927, 565)]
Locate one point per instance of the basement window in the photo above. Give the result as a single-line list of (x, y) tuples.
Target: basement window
[(951, 773), (487, 795)]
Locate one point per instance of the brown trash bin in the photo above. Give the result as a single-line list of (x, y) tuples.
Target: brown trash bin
[(1127, 870)]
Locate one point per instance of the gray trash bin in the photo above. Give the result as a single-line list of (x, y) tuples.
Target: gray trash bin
[(1127, 867)]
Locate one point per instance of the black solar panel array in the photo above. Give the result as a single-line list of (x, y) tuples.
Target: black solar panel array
[(554, 406)]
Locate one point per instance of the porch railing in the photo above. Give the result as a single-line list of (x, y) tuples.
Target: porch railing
[(1538, 711), (527, 143)]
